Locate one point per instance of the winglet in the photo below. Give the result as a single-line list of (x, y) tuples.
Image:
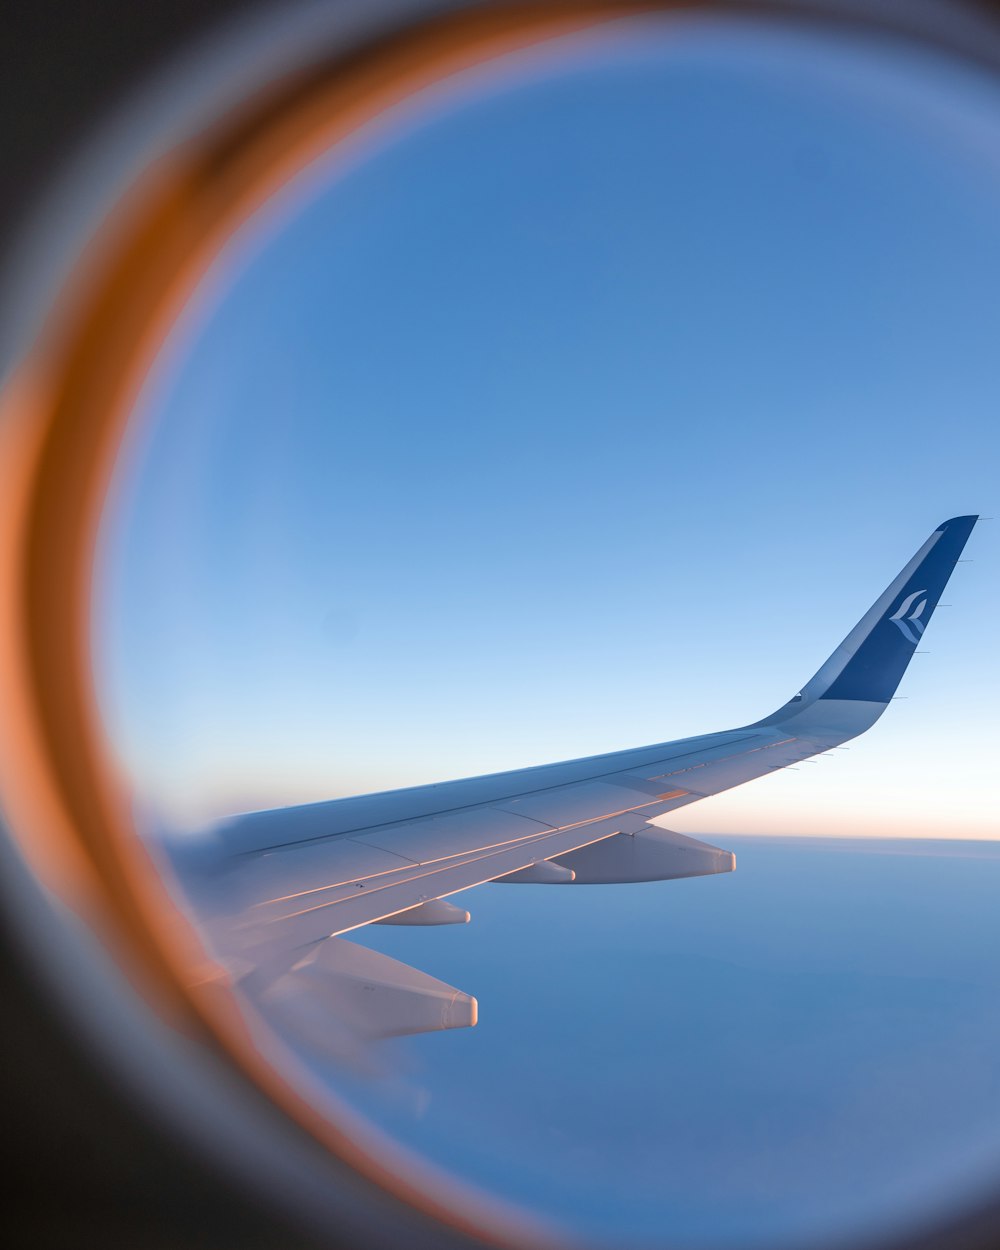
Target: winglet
[(869, 663)]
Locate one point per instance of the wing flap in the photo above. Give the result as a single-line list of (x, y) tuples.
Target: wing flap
[(587, 800)]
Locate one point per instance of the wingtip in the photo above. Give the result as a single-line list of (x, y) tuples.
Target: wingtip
[(969, 521)]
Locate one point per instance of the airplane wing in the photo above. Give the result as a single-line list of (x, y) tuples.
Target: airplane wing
[(275, 888)]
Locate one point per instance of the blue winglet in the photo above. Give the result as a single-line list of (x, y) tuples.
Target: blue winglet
[(875, 669), (868, 664)]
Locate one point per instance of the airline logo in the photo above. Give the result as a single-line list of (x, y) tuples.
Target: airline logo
[(907, 616)]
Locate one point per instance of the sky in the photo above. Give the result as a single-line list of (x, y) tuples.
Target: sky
[(587, 406), (591, 412), (579, 406)]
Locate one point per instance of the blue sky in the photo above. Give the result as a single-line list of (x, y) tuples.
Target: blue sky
[(586, 406)]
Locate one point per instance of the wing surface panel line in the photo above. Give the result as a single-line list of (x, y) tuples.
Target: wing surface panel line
[(458, 860), (436, 870), (515, 794)]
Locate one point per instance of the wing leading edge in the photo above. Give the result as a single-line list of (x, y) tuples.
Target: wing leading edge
[(283, 884)]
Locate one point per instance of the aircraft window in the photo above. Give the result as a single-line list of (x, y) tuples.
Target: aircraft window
[(356, 539)]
